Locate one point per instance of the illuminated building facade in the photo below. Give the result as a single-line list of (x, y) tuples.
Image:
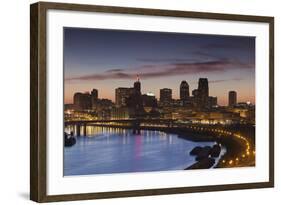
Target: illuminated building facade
[(122, 95), (165, 95), (131, 103), (149, 101)]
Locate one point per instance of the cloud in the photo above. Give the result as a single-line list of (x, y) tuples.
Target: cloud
[(219, 80), (169, 69), (225, 80), (205, 55), (246, 46), (114, 70), (165, 60)]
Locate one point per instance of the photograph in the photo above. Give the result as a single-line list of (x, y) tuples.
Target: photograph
[(135, 101), (146, 101)]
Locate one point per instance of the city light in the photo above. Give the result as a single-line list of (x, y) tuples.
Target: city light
[(196, 114)]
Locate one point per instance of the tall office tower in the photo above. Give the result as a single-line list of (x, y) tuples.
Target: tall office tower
[(184, 90), (232, 98), (94, 94), (94, 98), (166, 95), (137, 85), (203, 92), (203, 87), (135, 101), (122, 95)]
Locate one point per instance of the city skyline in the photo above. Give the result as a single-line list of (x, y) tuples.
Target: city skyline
[(90, 99), (158, 97), (107, 59)]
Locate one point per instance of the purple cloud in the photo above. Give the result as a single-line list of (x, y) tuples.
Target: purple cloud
[(225, 80), (165, 60), (171, 69), (115, 70)]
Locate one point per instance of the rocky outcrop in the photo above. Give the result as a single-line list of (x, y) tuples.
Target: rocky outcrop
[(69, 140), (215, 151), (203, 164), (195, 151), (204, 156), (204, 153)]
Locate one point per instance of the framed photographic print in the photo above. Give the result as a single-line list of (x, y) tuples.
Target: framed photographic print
[(134, 102)]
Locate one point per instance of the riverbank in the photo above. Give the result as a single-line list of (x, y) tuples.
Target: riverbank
[(239, 140), (240, 148)]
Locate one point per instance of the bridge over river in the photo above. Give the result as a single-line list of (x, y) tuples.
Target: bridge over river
[(135, 124)]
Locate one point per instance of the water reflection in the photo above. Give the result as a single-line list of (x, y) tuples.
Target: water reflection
[(104, 150)]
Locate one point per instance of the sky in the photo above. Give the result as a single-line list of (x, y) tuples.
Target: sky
[(108, 59)]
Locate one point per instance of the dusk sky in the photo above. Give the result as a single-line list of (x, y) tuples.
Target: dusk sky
[(107, 59)]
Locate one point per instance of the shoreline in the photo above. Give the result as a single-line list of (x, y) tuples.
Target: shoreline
[(208, 162), (236, 151), (235, 155)]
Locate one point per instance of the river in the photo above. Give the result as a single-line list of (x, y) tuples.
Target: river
[(106, 150)]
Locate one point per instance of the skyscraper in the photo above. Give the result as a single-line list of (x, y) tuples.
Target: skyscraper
[(165, 95), (130, 98), (137, 85), (203, 92), (203, 86), (122, 95), (94, 98), (94, 94), (135, 101), (232, 98), (184, 90)]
